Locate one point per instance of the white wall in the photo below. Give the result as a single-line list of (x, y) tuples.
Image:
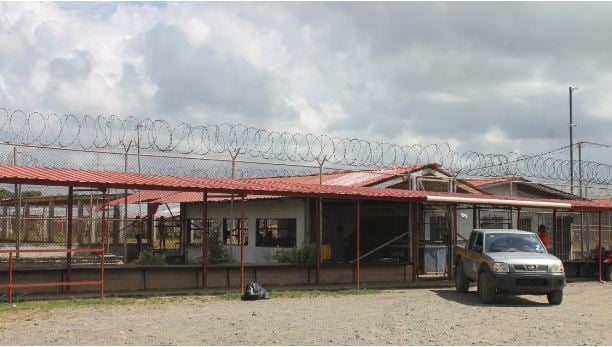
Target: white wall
[(268, 208)]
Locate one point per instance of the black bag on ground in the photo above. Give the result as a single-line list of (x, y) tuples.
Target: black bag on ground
[(254, 291)]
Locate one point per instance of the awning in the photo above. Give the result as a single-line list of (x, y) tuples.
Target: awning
[(246, 187)]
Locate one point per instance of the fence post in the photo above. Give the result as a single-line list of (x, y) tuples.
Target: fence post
[(50, 219), (103, 242), (204, 240), (3, 228), (358, 236), (318, 203), (10, 279), (17, 208), (242, 244), (599, 247), (69, 238)]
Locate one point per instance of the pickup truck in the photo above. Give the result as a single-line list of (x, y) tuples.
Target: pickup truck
[(508, 261)]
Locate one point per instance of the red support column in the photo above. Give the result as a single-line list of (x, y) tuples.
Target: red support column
[(599, 246), (317, 224), (69, 238), (242, 244), (204, 240), (474, 217), (554, 232), (358, 236), (451, 259), (455, 229), (10, 279), (415, 244), (103, 242)]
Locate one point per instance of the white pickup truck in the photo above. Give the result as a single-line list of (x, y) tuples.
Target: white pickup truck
[(508, 261)]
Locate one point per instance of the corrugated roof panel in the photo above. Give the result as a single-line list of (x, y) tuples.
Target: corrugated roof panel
[(105, 179)]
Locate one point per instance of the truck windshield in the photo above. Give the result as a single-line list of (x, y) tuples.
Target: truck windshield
[(505, 242)]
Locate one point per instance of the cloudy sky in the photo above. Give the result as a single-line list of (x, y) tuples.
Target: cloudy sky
[(490, 77)]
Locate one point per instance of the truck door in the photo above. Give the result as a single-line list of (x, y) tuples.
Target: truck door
[(474, 252)]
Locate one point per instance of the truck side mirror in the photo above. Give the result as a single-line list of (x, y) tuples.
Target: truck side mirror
[(477, 249)]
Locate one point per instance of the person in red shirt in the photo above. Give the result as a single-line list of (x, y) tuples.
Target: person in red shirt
[(543, 234)]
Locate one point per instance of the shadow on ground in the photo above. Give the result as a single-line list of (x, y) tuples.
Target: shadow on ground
[(471, 299)]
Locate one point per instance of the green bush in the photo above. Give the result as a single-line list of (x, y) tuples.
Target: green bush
[(218, 253), (301, 255), (147, 257)]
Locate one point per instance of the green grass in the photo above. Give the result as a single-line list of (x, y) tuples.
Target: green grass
[(89, 302)]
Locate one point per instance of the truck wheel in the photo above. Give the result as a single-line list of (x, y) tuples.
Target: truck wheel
[(462, 284), (608, 274), (486, 288), (555, 297)]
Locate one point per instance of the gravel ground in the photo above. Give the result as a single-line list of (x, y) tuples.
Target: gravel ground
[(398, 317)]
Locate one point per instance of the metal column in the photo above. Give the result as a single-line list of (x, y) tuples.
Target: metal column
[(554, 245), (415, 246), (204, 239), (599, 247), (103, 242), (358, 236), (317, 224), (242, 244), (69, 238)]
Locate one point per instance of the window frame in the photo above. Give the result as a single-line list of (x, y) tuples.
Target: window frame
[(290, 229), (229, 235)]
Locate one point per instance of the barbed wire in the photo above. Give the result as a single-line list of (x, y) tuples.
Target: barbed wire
[(103, 132)]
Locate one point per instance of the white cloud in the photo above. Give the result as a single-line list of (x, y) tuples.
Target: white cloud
[(395, 72)]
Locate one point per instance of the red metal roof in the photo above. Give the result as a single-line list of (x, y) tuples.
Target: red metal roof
[(362, 178), (492, 180), (181, 197), (105, 179), (120, 180), (143, 196)]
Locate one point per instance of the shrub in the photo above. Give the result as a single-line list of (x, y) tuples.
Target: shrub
[(301, 255), (218, 253), (147, 257)]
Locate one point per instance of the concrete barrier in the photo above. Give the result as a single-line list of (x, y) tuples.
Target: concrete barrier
[(180, 277)]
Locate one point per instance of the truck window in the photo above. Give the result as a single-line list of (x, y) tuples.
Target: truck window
[(478, 244), (470, 243)]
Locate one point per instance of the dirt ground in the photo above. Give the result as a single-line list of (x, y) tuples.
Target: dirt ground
[(397, 317)]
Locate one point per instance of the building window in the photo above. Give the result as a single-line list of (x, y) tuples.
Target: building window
[(195, 231), (231, 231), (276, 232)]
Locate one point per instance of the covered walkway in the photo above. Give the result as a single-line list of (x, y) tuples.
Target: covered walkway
[(105, 180)]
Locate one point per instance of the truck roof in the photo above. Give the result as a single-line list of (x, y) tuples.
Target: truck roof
[(504, 231)]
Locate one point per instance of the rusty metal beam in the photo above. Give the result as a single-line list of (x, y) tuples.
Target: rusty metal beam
[(69, 238), (204, 240)]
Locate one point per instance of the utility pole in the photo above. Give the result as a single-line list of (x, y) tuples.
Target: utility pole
[(571, 148)]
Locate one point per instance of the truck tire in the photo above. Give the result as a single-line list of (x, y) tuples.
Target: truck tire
[(555, 297), (486, 288), (462, 284), (608, 273)]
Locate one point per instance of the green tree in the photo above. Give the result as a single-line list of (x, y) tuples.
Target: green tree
[(31, 193), (6, 194)]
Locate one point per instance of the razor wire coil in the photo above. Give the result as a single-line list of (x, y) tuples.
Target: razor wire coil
[(112, 132)]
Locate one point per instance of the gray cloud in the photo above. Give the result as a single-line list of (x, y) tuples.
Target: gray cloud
[(485, 76)]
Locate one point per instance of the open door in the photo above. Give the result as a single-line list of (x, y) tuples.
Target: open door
[(434, 243)]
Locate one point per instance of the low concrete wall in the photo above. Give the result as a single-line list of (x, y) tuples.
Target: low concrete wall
[(171, 277)]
